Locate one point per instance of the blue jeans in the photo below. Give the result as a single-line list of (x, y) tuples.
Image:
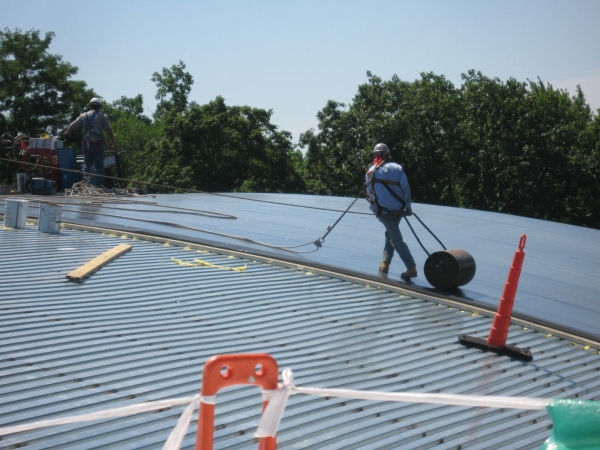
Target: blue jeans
[(93, 153), (393, 240)]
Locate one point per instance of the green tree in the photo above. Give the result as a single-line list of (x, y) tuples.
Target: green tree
[(516, 147), (522, 140), (582, 203), (132, 129), (336, 156), (219, 148), (416, 120), (37, 93), (490, 124), (133, 106), (174, 86)]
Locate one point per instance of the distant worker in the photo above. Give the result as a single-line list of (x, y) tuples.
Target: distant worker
[(93, 123), (388, 192)]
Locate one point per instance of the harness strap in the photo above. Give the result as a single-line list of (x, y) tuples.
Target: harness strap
[(395, 195), (372, 188), (385, 183), (88, 125), (378, 180), (88, 120), (94, 145)]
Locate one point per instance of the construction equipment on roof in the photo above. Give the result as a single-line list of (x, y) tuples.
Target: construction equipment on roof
[(46, 166)]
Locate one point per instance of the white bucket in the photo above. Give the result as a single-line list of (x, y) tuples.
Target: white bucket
[(50, 218), (15, 213)]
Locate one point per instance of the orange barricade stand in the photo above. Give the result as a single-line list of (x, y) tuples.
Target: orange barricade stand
[(258, 369)]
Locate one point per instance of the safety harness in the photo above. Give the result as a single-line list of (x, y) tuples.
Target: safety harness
[(372, 197), (93, 146), (89, 147)]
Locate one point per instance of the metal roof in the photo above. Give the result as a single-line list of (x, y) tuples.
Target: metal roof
[(142, 327), (558, 284)]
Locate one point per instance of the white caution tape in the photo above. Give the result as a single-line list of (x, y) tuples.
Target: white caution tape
[(270, 420), (267, 394), (277, 398), (209, 399), (173, 442), (176, 437)]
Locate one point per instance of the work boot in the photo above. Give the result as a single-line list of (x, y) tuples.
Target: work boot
[(410, 273), (384, 267)]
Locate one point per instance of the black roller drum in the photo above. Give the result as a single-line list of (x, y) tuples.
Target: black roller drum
[(449, 269)]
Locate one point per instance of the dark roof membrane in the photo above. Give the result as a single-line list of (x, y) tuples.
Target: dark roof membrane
[(559, 283)]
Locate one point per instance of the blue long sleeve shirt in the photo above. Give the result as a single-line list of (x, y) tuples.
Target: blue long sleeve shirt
[(390, 171)]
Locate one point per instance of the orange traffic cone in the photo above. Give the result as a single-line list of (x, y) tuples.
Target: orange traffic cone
[(496, 340), (499, 330)]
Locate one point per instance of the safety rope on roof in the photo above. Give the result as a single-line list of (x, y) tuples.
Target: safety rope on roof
[(85, 189), (172, 209), (196, 191), (290, 248)]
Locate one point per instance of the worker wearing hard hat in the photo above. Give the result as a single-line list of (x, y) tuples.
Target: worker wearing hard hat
[(388, 192), (93, 122)]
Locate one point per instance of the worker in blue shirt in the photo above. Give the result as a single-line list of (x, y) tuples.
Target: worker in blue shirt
[(388, 192)]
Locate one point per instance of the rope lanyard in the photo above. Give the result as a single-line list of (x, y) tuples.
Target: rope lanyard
[(318, 243)]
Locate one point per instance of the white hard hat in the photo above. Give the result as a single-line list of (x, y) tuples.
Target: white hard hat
[(95, 101), (381, 148)]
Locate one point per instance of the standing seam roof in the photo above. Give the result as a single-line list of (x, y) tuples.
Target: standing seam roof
[(141, 328)]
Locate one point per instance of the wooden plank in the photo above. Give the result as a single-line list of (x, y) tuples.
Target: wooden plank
[(98, 262)]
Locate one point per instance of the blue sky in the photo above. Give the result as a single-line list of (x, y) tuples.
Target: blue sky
[(291, 56)]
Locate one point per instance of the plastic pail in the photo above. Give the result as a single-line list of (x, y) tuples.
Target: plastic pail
[(50, 218), (15, 213)]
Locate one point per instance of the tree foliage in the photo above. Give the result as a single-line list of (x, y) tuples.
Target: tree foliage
[(517, 147), (211, 147), (132, 130), (129, 106), (417, 120), (174, 86), (215, 147), (37, 93)]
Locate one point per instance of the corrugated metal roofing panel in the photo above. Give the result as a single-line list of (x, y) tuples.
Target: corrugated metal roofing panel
[(142, 327)]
